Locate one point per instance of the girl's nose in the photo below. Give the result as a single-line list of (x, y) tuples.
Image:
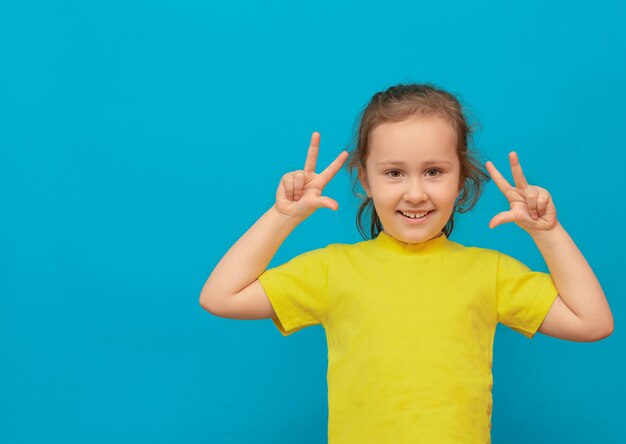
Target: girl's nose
[(415, 192)]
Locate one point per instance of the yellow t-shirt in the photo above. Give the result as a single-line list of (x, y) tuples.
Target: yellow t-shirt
[(410, 331)]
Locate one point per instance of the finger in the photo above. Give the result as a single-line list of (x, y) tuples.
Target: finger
[(289, 186), (334, 167), (311, 157), (298, 184), (501, 218), (531, 202), (516, 169), (329, 203), (498, 178), (542, 203)]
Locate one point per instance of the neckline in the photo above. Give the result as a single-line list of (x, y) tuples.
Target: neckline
[(435, 245)]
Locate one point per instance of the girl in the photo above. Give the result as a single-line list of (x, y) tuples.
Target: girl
[(409, 314)]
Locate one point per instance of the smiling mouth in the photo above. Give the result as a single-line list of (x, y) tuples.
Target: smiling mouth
[(415, 218)]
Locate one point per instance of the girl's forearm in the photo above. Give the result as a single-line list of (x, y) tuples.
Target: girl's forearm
[(248, 258), (573, 277)]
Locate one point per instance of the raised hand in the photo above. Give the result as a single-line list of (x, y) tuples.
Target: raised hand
[(531, 206), (299, 193)]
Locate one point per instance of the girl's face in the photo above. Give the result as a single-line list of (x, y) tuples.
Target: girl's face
[(412, 166)]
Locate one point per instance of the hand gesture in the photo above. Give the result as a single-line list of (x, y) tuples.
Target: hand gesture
[(531, 207), (299, 193)]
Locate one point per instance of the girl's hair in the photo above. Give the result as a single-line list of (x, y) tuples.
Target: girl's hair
[(398, 103)]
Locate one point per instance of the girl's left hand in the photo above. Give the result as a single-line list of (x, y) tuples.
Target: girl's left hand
[(532, 208)]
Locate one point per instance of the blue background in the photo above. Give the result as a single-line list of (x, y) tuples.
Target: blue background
[(140, 139)]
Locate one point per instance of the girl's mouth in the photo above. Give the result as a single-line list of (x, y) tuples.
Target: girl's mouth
[(416, 220)]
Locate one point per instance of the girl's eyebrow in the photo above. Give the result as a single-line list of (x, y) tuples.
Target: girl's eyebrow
[(428, 162)]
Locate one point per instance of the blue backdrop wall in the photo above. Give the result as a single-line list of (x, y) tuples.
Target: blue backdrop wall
[(140, 139)]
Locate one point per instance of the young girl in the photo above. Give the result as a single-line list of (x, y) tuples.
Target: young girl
[(409, 314)]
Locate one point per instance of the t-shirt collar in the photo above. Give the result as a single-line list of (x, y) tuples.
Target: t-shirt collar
[(390, 243)]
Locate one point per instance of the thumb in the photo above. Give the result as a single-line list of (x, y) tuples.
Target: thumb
[(327, 202), (501, 218)]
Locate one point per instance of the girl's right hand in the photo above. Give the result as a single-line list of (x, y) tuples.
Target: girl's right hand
[(299, 193)]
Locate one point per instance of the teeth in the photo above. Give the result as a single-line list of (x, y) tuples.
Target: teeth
[(414, 216)]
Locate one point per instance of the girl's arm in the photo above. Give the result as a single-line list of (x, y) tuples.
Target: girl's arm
[(244, 262), (573, 277), (581, 311), (299, 194)]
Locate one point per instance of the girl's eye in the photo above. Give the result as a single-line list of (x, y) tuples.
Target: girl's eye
[(397, 171), (434, 169)]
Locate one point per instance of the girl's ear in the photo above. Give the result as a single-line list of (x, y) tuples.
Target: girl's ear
[(364, 182)]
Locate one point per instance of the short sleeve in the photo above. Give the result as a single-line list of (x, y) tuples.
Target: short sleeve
[(298, 290), (523, 296)]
